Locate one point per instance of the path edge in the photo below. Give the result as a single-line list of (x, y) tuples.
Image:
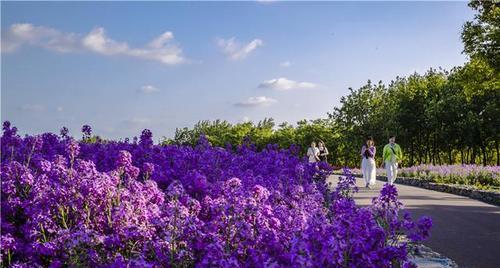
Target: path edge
[(489, 197)]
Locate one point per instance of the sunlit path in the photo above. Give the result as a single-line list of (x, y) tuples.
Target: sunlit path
[(465, 230)]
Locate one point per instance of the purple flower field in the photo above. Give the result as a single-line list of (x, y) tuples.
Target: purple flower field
[(487, 177), (457, 174), (68, 203)]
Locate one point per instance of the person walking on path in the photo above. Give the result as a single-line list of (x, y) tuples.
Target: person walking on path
[(323, 151), (368, 166), (313, 153), (392, 155)]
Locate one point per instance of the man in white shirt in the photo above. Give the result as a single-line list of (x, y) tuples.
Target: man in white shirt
[(392, 156)]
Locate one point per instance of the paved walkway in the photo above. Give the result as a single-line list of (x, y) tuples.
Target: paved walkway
[(465, 230)]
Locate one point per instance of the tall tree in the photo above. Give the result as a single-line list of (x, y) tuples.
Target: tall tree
[(481, 37)]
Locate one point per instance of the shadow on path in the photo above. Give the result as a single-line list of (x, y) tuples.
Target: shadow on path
[(469, 235), (465, 230)]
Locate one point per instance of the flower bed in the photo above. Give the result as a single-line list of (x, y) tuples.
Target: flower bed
[(487, 196), (480, 177), (476, 182), (69, 203), (483, 177)]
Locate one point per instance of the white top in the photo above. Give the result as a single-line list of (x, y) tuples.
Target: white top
[(312, 153)]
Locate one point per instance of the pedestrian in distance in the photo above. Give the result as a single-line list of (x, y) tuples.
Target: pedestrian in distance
[(323, 151), (368, 166), (313, 153), (392, 155)]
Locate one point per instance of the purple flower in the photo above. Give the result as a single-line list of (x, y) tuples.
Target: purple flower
[(86, 130), (72, 148), (346, 185), (146, 137), (389, 192), (260, 193), (6, 125), (8, 242), (124, 159), (43, 165), (64, 132), (203, 141), (424, 226), (232, 184), (201, 206), (34, 143), (148, 168)]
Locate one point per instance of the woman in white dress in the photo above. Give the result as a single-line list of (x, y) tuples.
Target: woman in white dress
[(313, 153), (368, 167)]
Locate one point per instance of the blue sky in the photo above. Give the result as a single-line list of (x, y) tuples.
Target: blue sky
[(123, 67)]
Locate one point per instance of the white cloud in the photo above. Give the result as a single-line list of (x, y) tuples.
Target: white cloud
[(52, 39), (98, 42), (8, 46), (33, 108), (256, 101), (161, 40), (283, 83), (237, 51), (59, 108), (148, 89), (160, 49), (285, 64)]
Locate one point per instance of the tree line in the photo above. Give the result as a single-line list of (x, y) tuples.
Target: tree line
[(439, 117)]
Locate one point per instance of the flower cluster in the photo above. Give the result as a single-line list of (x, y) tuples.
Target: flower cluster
[(120, 204), (86, 130), (456, 174), (487, 177)]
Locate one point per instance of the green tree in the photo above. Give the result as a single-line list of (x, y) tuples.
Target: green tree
[(481, 37)]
